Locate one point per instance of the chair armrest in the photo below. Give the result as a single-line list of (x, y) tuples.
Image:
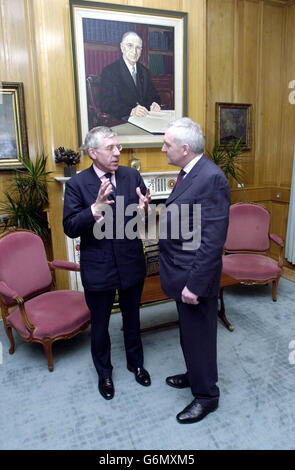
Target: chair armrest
[(7, 291), (275, 238), (12, 294), (67, 265), (278, 241)]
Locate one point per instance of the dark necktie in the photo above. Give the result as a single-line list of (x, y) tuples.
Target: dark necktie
[(109, 176), (134, 74), (179, 178)]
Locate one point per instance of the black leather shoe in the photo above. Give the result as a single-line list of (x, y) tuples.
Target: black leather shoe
[(194, 412), (141, 375), (178, 381), (106, 388)]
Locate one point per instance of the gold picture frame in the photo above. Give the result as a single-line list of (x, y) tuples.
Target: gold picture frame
[(13, 129), (233, 122), (95, 31)]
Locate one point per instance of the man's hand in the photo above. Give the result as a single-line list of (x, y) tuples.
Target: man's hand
[(143, 201), (139, 111), (102, 198), (155, 107), (189, 297)]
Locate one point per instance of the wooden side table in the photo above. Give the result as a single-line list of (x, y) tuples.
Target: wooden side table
[(152, 292)]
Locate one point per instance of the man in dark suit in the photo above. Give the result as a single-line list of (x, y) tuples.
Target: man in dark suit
[(190, 270), (108, 263), (126, 87)]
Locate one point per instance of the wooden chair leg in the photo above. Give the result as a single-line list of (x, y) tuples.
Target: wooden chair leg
[(8, 330), (221, 312), (274, 289), (47, 345)]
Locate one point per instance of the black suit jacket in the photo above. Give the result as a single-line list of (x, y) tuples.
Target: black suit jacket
[(106, 263), (198, 269), (118, 93)]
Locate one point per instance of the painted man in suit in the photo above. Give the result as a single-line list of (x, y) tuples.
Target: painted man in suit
[(108, 263), (190, 272), (126, 87)]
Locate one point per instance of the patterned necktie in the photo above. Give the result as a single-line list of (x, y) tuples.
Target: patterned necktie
[(109, 176), (179, 178), (134, 74)]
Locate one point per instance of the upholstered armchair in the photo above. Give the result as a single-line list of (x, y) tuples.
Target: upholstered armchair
[(247, 247), (29, 303)]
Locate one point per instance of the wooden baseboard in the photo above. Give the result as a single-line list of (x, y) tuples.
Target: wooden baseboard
[(288, 273)]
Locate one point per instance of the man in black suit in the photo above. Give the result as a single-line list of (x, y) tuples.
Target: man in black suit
[(108, 263), (190, 270), (126, 87)]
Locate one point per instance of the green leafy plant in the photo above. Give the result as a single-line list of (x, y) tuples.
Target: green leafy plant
[(27, 197), (229, 159)]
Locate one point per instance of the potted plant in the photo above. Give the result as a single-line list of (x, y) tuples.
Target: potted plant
[(27, 198), (69, 157), (228, 158)]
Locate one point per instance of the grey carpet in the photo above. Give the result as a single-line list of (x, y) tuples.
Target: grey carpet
[(63, 409)]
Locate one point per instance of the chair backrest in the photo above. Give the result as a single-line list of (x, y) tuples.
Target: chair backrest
[(23, 263), (248, 228), (92, 86)]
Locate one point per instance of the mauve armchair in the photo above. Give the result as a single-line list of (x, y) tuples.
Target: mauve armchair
[(29, 303), (247, 247)]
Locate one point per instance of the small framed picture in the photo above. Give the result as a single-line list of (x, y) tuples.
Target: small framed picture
[(13, 130), (233, 122)]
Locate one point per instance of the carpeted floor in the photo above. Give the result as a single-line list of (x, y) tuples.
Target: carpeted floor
[(63, 409)]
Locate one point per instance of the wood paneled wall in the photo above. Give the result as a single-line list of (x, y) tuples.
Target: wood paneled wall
[(250, 59), (238, 51), (35, 45)]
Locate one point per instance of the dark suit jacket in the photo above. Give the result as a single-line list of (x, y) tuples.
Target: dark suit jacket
[(105, 264), (118, 93), (198, 269)]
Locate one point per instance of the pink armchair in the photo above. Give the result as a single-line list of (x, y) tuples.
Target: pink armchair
[(29, 303), (247, 247)]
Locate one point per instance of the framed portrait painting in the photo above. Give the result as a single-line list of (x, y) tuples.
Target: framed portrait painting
[(233, 122), (104, 37), (13, 132)]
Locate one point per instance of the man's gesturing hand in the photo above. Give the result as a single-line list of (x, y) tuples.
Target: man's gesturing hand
[(143, 201), (102, 198)]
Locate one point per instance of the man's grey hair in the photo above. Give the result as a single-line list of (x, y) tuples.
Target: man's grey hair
[(128, 33), (187, 131), (94, 137)]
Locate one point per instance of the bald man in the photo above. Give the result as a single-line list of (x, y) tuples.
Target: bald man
[(126, 87)]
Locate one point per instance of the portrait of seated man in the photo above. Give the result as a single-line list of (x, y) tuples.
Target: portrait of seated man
[(126, 87)]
